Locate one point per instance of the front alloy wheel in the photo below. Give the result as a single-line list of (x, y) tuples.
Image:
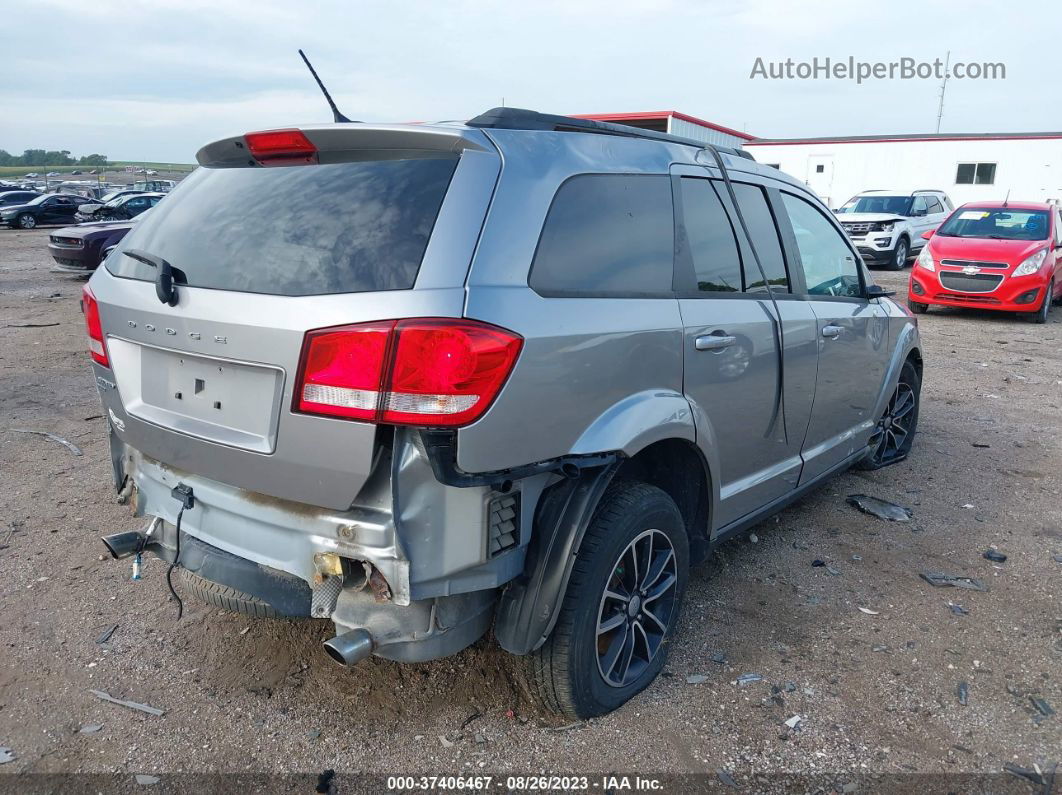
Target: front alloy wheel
[(27, 221), (894, 434), (620, 607), (899, 257)]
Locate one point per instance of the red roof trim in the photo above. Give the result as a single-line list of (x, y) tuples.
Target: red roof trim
[(927, 139), (662, 114)]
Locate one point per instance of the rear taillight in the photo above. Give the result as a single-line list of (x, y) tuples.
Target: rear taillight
[(91, 309), (405, 372), (281, 148)]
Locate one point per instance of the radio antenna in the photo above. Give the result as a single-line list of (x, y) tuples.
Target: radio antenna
[(1006, 198), (336, 115)]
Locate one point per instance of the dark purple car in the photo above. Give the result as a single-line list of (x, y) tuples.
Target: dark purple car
[(81, 248)]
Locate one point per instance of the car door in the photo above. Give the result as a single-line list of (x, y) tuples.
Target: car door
[(853, 342), (135, 206), (920, 220), (65, 207), (935, 215), (732, 352)]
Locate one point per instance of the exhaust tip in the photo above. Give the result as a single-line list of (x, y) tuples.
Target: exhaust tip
[(350, 648), (122, 545)]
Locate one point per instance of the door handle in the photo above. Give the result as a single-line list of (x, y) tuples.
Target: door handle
[(714, 342), (830, 331)]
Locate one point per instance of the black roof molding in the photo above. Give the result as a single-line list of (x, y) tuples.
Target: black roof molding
[(520, 119)]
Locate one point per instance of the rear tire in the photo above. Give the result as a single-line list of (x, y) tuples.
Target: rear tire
[(917, 308), (225, 598), (632, 567)]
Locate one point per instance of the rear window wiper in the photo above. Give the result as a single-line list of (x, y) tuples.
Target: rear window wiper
[(167, 277)]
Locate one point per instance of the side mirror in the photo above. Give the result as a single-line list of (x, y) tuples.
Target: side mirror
[(928, 234), (877, 291)]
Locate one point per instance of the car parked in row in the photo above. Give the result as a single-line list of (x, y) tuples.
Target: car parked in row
[(46, 209), (121, 208), (81, 248), (12, 197), (992, 255), (539, 367), (887, 226)]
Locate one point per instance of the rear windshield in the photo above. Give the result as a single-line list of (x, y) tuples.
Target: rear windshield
[(998, 223), (297, 230)]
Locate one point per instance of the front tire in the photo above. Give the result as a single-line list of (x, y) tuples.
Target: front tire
[(892, 438), (899, 256), (916, 307), (1040, 315), (27, 221), (621, 606)]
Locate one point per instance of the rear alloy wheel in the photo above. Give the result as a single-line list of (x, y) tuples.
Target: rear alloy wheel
[(892, 438), (917, 308), (1040, 315), (899, 256), (27, 221), (621, 605)]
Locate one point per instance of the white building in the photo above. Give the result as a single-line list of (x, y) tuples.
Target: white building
[(968, 167), (675, 123)]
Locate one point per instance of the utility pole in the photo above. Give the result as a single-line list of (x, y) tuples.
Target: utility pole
[(943, 88)]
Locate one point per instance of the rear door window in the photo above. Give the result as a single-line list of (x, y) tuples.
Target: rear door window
[(298, 230), (712, 241), (607, 235), (764, 232)]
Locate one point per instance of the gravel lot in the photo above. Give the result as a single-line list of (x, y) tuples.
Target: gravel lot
[(877, 693)]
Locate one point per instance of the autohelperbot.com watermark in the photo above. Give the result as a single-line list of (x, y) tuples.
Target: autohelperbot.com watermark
[(851, 68)]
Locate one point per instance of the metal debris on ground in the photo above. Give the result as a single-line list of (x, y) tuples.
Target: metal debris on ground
[(939, 579), (994, 555), (474, 716), (106, 634), (981, 445), (90, 728), (748, 679), (30, 325), (868, 611), (6, 755), (1042, 706), (696, 679), (73, 448), (889, 511), (1034, 775), (963, 693), (130, 704)]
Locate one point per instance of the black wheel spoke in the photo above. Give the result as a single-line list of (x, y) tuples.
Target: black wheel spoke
[(614, 652), (611, 623), (656, 570)]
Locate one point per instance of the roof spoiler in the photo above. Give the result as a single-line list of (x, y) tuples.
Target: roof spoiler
[(520, 119)]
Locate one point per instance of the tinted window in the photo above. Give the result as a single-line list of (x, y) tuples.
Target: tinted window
[(764, 233), (934, 205), (607, 233), (829, 265), (713, 246), (297, 230)]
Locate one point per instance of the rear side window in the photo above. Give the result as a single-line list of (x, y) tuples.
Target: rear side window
[(299, 230), (760, 221), (713, 246), (607, 234)]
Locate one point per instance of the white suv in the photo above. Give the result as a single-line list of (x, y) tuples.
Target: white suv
[(886, 226)]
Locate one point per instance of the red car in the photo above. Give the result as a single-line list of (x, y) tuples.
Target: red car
[(992, 255)]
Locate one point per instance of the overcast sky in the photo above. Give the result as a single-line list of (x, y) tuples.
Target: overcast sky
[(154, 80)]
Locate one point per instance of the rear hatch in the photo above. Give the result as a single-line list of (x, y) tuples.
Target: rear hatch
[(375, 223)]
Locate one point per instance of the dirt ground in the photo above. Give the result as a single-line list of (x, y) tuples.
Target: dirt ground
[(876, 692)]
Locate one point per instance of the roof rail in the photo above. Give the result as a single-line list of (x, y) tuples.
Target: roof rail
[(926, 190), (520, 119)]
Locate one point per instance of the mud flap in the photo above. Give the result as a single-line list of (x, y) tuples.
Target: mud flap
[(117, 459), (528, 608)]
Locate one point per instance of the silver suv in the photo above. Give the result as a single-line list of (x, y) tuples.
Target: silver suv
[(520, 372)]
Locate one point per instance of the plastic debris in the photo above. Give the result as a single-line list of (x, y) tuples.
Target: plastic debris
[(958, 610), (1057, 558), (696, 679), (748, 679), (833, 571), (868, 611), (726, 778), (968, 506), (889, 511), (963, 691), (73, 448), (6, 755), (1042, 706), (719, 658), (793, 722), (818, 564), (90, 728), (981, 445), (445, 742), (146, 781), (106, 634), (994, 555), (130, 704), (939, 579), (324, 781), (755, 539)]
